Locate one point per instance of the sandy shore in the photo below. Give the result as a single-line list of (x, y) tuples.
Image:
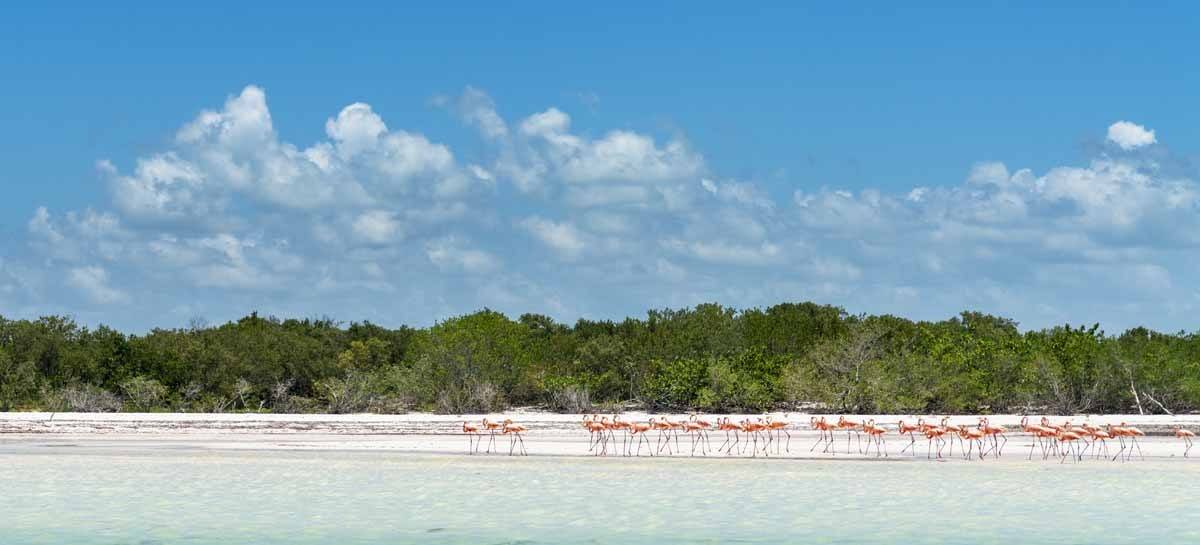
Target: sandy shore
[(549, 434)]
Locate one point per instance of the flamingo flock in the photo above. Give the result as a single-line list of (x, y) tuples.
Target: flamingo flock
[(515, 433), (659, 435)]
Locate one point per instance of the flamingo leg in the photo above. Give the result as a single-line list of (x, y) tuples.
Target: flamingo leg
[(1119, 452), (819, 441)]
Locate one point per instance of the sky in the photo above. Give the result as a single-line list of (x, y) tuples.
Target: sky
[(404, 164)]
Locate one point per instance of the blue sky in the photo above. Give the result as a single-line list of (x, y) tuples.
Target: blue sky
[(404, 164)]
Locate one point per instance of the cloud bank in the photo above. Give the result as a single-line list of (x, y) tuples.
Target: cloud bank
[(380, 222)]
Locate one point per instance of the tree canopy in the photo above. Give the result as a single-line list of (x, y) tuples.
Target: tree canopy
[(709, 358)]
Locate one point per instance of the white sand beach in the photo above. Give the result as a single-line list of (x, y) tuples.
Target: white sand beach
[(548, 434)]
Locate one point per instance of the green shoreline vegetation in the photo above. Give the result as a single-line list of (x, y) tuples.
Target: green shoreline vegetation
[(708, 358)]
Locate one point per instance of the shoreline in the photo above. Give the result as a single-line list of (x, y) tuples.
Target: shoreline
[(549, 434)]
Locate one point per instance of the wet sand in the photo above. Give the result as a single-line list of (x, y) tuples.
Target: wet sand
[(549, 434)]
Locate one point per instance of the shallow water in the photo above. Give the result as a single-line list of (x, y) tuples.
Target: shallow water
[(87, 497)]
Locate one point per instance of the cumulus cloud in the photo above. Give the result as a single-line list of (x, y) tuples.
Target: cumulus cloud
[(543, 149), (1130, 135)]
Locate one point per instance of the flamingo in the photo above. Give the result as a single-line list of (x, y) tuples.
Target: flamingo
[(932, 433), (875, 433), (1134, 433), (850, 426), (664, 434), (1038, 433), (618, 424), (1054, 429), (514, 432), (1187, 436), (638, 430), (779, 426), (595, 432), (994, 431), (973, 437), (955, 433), (755, 428), (704, 427), (1121, 432), (473, 437), (491, 427), (909, 430), (1069, 438), (1084, 433), (605, 430), (693, 430), (727, 425), (825, 428), (1100, 435), (675, 427)]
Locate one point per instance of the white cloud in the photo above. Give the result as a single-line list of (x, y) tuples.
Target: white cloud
[(356, 129), (1130, 135), (92, 281), (232, 153), (40, 226), (450, 254), (477, 109), (543, 149), (562, 237), (727, 253), (377, 226)]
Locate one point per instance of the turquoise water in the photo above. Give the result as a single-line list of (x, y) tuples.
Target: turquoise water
[(198, 497)]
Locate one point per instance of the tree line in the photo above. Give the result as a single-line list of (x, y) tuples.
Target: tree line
[(791, 356)]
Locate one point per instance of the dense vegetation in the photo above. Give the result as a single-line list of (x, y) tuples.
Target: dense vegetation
[(709, 358)]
